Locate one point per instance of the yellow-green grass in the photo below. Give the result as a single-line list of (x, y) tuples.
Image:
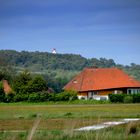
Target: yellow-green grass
[(121, 132), (57, 119), (15, 111)]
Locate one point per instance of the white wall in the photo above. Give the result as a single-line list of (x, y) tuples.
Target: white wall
[(82, 97), (95, 96)]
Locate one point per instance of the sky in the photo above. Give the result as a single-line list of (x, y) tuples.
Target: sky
[(91, 28)]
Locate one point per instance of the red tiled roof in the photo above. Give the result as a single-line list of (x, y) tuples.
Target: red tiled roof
[(100, 79), (6, 87)]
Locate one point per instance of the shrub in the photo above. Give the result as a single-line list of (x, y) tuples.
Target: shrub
[(131, 128), (68, 114), (136, 98), (43, 96), (39, 97), (34, 97), (116, 98), (20, 97), (51, 97), (82, 98), (73, 95), (66, 96), (9, 98), (128, 99)]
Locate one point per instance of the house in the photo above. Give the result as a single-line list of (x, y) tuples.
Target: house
[(97, 83)]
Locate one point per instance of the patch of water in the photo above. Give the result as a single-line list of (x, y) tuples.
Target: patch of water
[(96, 127), (131, 119), (107, 124)]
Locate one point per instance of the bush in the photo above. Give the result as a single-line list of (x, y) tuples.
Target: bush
[(43, 96), (20, 97), (38, 97), (131, 128), (63, 96), (34, 97), (9, 98), (51, 97), (115, 98), (136, 98), (128, 99), (66, 96), (68, 114)]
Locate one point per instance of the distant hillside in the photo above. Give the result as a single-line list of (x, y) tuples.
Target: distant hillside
[(39, 61), (58, 68)]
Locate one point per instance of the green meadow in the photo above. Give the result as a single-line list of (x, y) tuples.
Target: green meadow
[(58, 121)]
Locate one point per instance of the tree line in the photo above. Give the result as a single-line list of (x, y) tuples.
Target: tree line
[(41, 61)]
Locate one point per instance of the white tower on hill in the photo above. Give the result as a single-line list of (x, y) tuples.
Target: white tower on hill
[(54, 51)]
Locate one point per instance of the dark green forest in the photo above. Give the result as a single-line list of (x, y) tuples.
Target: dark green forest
[(56, 69)]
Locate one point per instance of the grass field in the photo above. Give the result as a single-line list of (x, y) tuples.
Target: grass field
[(59, 121)]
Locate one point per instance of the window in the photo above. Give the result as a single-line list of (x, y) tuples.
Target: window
[(75, 82), (94, 93), (133, 91), (129, 91)]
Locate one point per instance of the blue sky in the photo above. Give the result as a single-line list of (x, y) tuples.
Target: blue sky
[(92, 28)]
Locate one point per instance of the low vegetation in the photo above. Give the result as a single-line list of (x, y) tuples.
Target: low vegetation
[(124, 98), (59, 121)]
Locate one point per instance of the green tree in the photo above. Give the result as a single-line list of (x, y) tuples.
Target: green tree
[(37, 84), (21, 82), (7, 71)]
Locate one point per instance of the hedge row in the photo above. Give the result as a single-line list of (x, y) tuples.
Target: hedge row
[(40, 97), (124, 98)]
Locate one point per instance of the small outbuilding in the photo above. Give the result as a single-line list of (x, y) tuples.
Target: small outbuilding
[(7, 88)]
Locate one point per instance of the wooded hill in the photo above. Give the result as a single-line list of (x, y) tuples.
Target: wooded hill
[(40, 61), (57, 69)]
